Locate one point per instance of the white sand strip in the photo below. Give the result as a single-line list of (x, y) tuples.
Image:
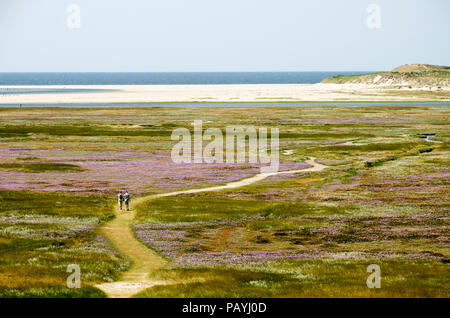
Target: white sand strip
[(201, 93)]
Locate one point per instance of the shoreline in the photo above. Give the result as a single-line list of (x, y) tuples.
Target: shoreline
[(224, 93)]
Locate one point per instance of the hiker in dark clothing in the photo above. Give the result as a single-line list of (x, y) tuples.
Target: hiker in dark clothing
[(127, 200), (120, 200)]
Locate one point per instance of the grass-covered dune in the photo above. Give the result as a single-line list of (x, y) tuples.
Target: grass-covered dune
[(410, 75)]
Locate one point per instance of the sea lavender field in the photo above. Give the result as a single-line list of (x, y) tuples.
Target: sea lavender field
[(383, 199)]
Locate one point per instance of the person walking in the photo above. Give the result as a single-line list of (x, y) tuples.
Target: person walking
[(120, 200), (127, 200)]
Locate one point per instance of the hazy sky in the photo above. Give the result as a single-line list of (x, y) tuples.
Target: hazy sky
[(221, 35)]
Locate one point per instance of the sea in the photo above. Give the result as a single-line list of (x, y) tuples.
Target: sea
[(171, 78)]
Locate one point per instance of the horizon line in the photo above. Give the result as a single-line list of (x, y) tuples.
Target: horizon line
[(80, 72)]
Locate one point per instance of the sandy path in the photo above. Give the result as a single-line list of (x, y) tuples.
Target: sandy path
[(119, 232)]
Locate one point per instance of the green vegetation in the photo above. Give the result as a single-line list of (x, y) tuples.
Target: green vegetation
[(78, 130), (343, 278), (42, 233), (40, 167), (221, 206), (55, 204), (382, 200), (28, 158), (201, 207), (379, 162)]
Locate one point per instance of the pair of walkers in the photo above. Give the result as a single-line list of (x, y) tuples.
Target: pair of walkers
[(124, 197)]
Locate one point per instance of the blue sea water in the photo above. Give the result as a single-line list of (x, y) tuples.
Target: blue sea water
[(166, 78), (20, 90)]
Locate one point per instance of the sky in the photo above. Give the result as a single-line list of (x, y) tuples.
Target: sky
[(221, 35)]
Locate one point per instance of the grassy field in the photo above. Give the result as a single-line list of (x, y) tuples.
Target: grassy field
[(383, 200), (42, 233)]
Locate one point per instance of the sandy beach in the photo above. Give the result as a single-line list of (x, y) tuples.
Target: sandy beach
[(216, 93)]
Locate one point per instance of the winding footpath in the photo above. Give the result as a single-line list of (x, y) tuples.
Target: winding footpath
[(144, 260)]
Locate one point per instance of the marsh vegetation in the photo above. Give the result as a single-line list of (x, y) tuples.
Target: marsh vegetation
[(383, 199)]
